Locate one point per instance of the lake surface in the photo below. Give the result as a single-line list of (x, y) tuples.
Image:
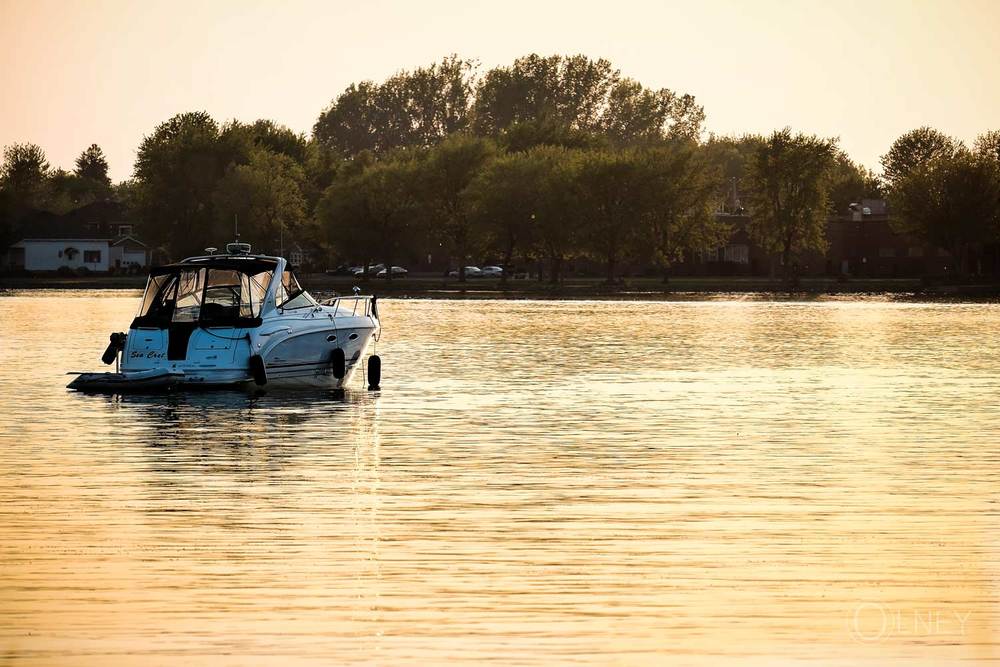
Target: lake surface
[(537, 483)]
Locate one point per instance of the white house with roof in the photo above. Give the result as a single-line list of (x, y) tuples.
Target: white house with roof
[(88, 238)]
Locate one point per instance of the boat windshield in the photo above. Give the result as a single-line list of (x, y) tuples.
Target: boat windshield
[(223, 296), (290, 294)]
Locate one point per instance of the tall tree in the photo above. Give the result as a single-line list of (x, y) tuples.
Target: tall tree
[(913, 149), (418, 108), (277, 138), (789, 194), (731, 158), (571, 90), (951, 201), (988, 145), (24, 177), (581, 94), (445, 175), (266, 195), (177, 170), (637, 115), (504, 200), (24, 173), (93, 166), (556, 228), (850, 182), (371, 214), (677, 201), (548, 131), (610, 192)]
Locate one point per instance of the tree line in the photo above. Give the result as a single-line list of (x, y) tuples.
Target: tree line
[(546, 160)]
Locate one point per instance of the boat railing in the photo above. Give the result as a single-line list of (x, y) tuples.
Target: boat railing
[(357, 304)]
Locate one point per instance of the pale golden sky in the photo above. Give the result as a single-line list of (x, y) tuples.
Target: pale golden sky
[(74, 73)]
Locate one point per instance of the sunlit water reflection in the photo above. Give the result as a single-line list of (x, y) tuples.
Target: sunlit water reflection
[(538, 483)]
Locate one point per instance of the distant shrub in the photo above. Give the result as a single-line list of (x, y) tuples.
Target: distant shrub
[(64, 271), (83, 271)]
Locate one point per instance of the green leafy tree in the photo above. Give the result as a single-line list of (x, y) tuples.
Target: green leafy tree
[(444, 176), (504, 201), (66, 191), (556, 223), (637, 115), (92, 168), (913, 149), (731, 158), (418, 108), (266, 196), (570, 90), (127, 193), (987, 149), (24, 176), (789, 194), (987, 145), (548, 131), (582, 95), (371, 214), (850, 182), (87, 183), (676, 203), (177, 170), (610, 194), (951, 201)]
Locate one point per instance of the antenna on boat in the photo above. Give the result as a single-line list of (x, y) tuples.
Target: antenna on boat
[(237, 248)]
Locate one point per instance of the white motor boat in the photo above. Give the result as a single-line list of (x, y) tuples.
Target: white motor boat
[(238, 319)]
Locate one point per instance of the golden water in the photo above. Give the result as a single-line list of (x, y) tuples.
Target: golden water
[(538, 483)]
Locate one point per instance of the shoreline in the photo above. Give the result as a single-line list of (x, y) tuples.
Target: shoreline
[(637, 289)]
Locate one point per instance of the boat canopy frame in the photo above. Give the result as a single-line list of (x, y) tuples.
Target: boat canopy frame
[(237, 299)]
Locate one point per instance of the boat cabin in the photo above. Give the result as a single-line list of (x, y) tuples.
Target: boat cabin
[(219, 291)]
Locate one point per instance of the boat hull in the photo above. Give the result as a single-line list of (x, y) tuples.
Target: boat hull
[(293, 357)]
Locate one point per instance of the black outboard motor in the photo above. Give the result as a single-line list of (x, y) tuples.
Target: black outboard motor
[(116, 345)]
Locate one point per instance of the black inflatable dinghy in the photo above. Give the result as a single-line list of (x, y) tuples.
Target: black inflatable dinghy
[(121, 383)]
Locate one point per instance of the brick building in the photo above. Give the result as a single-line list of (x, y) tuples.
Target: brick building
[(862, 243)]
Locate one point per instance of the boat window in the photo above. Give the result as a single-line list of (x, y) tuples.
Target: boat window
[(158, 296), (230, 294), (190, 284), (227, 296), (290, 294)]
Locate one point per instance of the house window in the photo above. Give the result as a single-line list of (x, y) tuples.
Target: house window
[(91, 256), (886, 252), (124, 230), (916, 251)]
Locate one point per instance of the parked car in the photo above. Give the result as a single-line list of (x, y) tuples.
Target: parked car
[(372, 270), (492, 272), (342, 270), (470, 272), (396, 271)]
